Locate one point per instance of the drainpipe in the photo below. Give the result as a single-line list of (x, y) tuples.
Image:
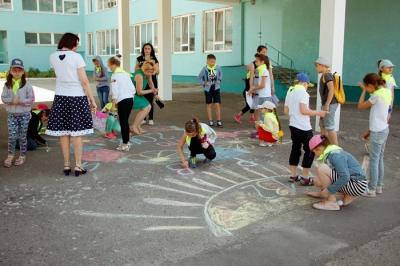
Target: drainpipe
[(242, 18)]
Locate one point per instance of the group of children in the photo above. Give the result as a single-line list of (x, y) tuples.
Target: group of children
[(340, 173)]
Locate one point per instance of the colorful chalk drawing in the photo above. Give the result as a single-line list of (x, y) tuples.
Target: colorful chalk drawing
[(227, 195), (231, 199)]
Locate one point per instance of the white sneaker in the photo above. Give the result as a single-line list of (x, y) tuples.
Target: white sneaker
[(379, 190), (370, 193), (269, 144), (262, 144), (144, 122), (151, 122), (124, 147)]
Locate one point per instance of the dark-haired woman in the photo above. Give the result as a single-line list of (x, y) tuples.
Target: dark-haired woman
[(70, 117), (379, 103), (200, 139), (18, 98), (148, 54)]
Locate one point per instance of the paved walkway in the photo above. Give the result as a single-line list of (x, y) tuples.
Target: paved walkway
[(140, 208)]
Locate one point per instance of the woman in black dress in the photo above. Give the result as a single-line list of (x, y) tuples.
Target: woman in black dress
[(148, 54)]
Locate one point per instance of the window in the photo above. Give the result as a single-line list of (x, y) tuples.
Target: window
[(90, 44), (105, 4), (42, 38), (5, 4), (218, 30), (89, 6), (51, 6), (144, 33), (107, 42), (184, 33)]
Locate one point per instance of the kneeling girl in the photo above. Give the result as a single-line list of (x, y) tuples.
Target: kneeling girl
[(200, 139)]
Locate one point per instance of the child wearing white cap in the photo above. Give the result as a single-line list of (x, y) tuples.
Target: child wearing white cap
[(269, 128), (386, 73)]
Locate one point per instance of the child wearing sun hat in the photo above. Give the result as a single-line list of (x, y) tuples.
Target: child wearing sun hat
[(341, 172), (269, 128)]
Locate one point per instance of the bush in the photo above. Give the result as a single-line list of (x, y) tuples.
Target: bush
[(34, 73)]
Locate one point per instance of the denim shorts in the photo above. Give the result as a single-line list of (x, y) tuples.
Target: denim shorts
[(328, 122), (259, 101)]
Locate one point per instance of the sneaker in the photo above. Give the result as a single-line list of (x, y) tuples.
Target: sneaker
[(151, 122), (124, 147), (237, 119), (206, 160), (371, 193), (9, 161), (192, 162), (269, 144), (306, 181), (327, 206), (262, 144), (252, 119), (379, 190), (20, 161), (293, 179), (211, 123), (144, 122), (110, 135), (219, 123)]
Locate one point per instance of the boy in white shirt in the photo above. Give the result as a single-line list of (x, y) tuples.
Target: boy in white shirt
[(297, 107)]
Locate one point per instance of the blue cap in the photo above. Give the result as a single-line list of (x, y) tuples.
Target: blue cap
[(17, 63), (303, 77)]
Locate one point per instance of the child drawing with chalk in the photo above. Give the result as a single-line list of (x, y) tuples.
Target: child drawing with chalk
[(200, 139), (269, 128), (340, 173)]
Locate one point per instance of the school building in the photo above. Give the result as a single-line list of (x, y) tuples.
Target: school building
[(353, 33)]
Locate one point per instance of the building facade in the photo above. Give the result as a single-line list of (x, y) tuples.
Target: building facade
[(30, 29)]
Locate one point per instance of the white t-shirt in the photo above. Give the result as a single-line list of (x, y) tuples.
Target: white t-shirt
[(122, 86), (266, 91), (378, 116), (296, 118), (66, 65)]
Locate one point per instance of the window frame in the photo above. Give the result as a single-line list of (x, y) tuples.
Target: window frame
[(104, 34), (7, 9), (153, 36), (90, 45), (104, 6), (180, 17), (205, 46), (52, 44), (55, 8)]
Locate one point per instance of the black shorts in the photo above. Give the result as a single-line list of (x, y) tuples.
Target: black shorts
[(213, 96)]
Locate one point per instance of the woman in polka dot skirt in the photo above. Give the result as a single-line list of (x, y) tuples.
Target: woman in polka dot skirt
[(70, 117)]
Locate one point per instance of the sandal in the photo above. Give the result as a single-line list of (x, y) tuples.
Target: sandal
[(79, 171), (67, 170), (306, 181), (8, 162), (20, 161)]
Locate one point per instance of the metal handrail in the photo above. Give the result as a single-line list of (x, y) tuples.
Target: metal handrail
[(278, 61)]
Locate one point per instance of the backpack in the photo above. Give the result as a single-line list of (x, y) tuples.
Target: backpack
[(339, 89)]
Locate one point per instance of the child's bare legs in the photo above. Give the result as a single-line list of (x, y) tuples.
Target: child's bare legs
[(322, 181), (209, 112), (332, 136), (65, 148), (218, 111), (141, 115), (77, 142)]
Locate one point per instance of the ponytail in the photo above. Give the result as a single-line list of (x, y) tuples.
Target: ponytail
[(193, 125), (380, 70), (374, 80)]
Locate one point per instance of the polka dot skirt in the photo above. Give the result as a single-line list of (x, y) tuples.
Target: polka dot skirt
[(70, 116)]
